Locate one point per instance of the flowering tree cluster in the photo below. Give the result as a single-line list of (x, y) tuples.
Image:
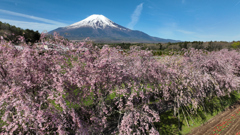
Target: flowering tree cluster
[(102, 91)]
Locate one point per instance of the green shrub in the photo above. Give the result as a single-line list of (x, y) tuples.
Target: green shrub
[(235, 45)]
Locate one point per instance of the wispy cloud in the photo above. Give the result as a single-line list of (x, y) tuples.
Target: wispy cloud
[(183, 1), (31, 25), (185, 31), (150, 7), (48, 24), (237, 3), (135, 16)]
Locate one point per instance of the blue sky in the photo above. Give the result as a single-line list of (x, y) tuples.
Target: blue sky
[(186, 20)]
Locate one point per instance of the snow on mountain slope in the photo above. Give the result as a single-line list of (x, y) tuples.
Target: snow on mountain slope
[(101, 29), (95, 21)]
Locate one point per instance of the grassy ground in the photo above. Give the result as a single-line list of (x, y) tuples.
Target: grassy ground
[(169, 124)]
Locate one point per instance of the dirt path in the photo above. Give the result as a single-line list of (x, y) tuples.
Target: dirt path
[(225, 123)]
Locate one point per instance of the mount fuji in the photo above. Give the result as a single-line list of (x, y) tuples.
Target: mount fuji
[(100, 29)]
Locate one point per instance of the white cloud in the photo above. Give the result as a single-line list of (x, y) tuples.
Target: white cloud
[(185, 31), (237, 3), (172, 25), (150, 7), (48, 25), (31, 25), (167, 30), (135, 16)]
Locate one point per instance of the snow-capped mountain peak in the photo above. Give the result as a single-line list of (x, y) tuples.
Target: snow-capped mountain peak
[(95, 21), (100, 29)]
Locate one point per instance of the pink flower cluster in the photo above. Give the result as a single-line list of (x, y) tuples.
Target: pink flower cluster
[(102, 91)]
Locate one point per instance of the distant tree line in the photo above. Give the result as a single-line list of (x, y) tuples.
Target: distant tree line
[(167, 48), (11, 33), (122, 45)]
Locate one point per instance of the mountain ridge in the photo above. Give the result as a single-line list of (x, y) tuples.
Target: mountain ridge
[(101, 29)]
